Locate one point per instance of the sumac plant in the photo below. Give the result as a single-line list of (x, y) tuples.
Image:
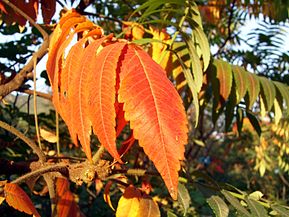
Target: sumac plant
[(144, 110), (103, 83)]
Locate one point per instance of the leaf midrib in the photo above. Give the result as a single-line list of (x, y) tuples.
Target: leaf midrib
[(157, 113)]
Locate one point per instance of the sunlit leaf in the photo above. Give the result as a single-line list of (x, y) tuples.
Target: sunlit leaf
[(102, 80), (128, 204), (253, 89), (268, 92), (106, 195), (133, 204), (202, 41), (65, 203), (240, 79), (161, 130), (18, 199)]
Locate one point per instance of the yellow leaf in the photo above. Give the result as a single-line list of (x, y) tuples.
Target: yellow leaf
[(262, 108), (158, 50), (133, 204), (148, 208), (128, 205), (278, 111), (48, 135), (106, 195), (1, 200), (133, 31)]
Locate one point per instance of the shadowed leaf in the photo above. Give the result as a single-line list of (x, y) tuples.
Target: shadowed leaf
[(219, 207)]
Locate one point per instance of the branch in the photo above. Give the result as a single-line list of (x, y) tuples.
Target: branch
[(100, 16), (40, 94), (51, 168), (52, 194), (19, 79), (229, 37), (135, 172), (23, 14), (28, 141)]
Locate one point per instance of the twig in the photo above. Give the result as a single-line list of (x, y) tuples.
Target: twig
[(136, 172), (53, 168), (35, 106), (29, 142), (40, 94), (19, 79), (52, 194), (23, 14), (57, 133), (101, 16), (229, 37), (175, 34)]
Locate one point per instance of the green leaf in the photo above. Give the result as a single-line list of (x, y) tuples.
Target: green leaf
[(240, 117), (195, 62), (235, 203), (282, 210), (277, 111), (256, 195), (171, 214), (253, 89), (240, 80), (224, 77), (147, 40), (230, 109), (184, 197), (256, 208), (202, 41), (219, 207), (192, 86), (283, 91), (268, 92), (152, 5), (255, 123)]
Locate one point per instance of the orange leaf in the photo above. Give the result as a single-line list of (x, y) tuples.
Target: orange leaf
[(132, 30), (133, 204), (18, 199), (66, 205), (2, 8), (121, 122), (106, 195), (68, 77), (159, 125), (30, 7), (48, 9), (102, 82)]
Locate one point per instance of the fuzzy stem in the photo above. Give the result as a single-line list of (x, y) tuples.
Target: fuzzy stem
[(35, 105), (96, 157), (41, 171)]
